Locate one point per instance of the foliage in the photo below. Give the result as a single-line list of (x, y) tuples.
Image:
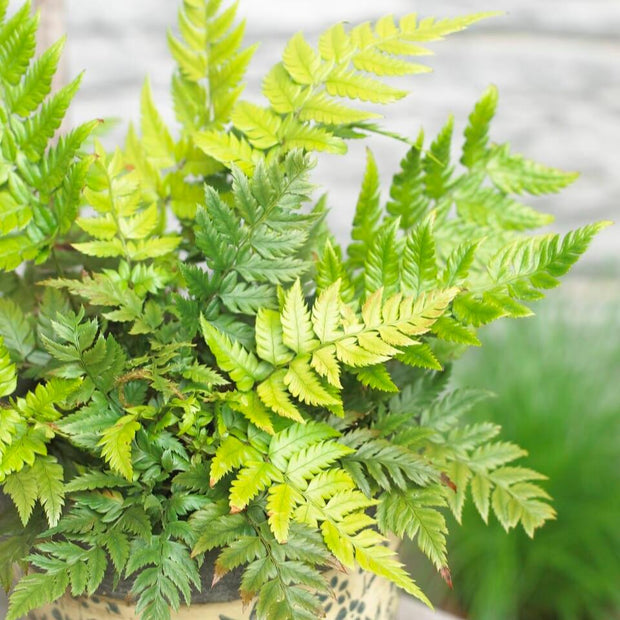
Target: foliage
[(201, 366), (569, 571)]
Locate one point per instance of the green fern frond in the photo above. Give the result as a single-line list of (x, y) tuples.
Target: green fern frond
[(309, 84), (477, 131), (244, 368), (517, 175), (297, 328), (367, 214), (436, 163), (40, 183), (17, 45), (211, 64), (35, 590), (414, 513), (407, 198), (28, 95), (419, 263), (116, 444), (8, 374)]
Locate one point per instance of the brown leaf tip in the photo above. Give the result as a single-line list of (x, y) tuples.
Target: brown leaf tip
[(447, 481), (446, 575)]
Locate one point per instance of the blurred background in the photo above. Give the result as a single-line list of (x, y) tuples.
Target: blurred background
[(557, 375)]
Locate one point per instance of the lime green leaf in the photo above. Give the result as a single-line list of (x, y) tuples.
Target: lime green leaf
[(377, 378), (273, 393), (8, 374), (368, 214), (23, 489), (297, 329), (335, 44), (420, 355), (326, 314), (514, 174), (156, 138), (250, 481), (227, 149), (374, 61), (283, 93), (269, 338), (352, 85), (477, 131), (325, 363), (249, 404), (301, 136), (381, 269), (116, 444), (383, 562), (260, 125), (13, 215), (414, 513), (322, 109), (304, 384), (243, 366), (231, 454), (301, 61), (437, 169), (419, 267), (295, 438), (280, 504), (310, 461), (37, 82)]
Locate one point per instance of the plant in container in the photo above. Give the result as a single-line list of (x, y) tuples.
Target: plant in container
[(200, 386)]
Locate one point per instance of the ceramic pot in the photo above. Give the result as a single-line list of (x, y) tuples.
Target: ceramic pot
[(357, 596)]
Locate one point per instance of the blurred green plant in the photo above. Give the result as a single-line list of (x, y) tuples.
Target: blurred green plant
[(564, 408)]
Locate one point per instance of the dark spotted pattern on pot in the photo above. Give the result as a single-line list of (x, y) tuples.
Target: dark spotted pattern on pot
[(357, 595)]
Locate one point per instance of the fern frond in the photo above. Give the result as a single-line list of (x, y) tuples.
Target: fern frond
[(28, 95), (116, 444), (231, 454), (35, 590), (297, 328), (40, 127), (273, 393), (367, 214), (8, 373), (419, 263), (537, 262), (250, 481), (243, 366), (17, 46), (280, 505), (437, 170), (407, 198), (517, 175), (156, 139), (381, 267), (414, 513), (211, 64), (227, 148), (477, 130)]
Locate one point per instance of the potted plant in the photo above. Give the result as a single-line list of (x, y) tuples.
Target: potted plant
[(199, 384)]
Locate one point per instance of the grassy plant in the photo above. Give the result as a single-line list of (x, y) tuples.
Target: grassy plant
[(556, 380)]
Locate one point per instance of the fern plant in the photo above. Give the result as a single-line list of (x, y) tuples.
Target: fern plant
[(190, 361)]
